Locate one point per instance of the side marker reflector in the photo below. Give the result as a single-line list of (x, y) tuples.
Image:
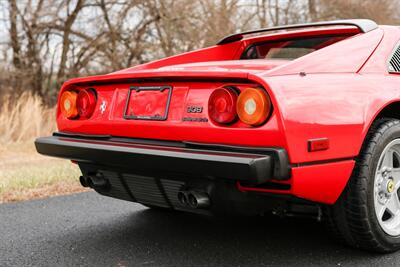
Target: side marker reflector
[(318, 144)]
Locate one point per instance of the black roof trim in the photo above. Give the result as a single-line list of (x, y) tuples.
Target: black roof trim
[(364, 25)]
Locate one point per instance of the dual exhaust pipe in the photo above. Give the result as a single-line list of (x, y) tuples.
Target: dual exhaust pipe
[(94, 181), (194, 199), (191, 199)]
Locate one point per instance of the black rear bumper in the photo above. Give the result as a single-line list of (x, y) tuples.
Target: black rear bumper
[(253, 165)]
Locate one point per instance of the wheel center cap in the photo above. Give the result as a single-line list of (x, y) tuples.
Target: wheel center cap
[(390, 186)]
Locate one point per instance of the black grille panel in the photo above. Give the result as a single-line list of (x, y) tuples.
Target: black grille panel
[(171, 189), (394, 63), (117, 188), (145, 190)]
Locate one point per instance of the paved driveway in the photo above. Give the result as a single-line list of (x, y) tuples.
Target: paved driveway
[(88, 229)]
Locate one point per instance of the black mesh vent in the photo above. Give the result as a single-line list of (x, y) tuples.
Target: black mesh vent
[(394, 63)]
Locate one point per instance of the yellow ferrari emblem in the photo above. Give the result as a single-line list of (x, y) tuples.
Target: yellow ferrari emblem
[(390, 186)]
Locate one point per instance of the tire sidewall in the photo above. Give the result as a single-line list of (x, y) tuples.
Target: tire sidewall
[(390, 134)]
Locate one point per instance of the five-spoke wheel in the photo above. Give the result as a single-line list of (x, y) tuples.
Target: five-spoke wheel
[(386, 187), (367, 214)]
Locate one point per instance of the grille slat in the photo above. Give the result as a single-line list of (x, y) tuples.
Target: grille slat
[(171, 190), (396, 59), (117, 188), (394, 62), (145, 190)]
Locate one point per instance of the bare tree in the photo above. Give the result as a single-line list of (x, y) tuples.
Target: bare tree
[(50, 41), (382, 11), (69, 22), (312, 10), (14, 41)]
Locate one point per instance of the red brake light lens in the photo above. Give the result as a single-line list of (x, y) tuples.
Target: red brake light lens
[(86, 103), (222, 105)]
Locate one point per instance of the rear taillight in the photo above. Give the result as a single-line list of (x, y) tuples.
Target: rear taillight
[(75, 105), (222, 105), (68, 104), (86, 103), (253, 106)]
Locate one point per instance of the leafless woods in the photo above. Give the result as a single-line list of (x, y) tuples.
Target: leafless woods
[(45, 42)]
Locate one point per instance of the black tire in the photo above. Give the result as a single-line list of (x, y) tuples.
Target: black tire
[(352, 219)]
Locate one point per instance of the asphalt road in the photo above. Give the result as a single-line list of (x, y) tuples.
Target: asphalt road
[(88, 229)]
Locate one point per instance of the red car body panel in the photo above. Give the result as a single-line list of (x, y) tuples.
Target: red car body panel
[(311, 182), (334, 93)]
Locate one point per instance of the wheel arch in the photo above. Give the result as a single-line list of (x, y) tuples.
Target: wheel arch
[(390, 110)]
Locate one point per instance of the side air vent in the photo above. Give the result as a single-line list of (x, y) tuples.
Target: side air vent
[(394, 62)]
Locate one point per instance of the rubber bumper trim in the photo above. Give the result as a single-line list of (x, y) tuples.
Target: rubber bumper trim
[(251, 167)]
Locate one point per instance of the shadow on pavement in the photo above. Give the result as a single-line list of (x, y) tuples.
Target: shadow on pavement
[(171, 238)]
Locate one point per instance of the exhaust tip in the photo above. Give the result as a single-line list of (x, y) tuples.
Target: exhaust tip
[(94, 181), (198, 200), (84, 181), (182, 198), (194, 199)]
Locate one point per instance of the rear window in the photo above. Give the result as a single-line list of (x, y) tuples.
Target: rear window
[(289, 49)]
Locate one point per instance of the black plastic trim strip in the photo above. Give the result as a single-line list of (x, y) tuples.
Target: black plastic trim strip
[(119, 139), (297, 165), (79, 135), (282, 168), (253, 166)]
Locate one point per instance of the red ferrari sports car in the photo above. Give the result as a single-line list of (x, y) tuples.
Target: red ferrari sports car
[(295, 120)]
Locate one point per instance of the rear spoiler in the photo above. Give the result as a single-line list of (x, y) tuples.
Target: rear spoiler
[(364, 25), (157, 75)]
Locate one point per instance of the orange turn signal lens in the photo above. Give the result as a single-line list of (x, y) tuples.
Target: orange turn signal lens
[(68, 104), (253, 106)]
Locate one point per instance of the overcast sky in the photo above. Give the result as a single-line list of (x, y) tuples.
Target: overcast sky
[(3, 25)]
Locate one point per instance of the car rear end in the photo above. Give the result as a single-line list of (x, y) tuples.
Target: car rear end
[(186, 144), (202, 137)]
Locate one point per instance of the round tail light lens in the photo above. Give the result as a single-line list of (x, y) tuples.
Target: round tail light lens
[(68, 104), (86, 103), (253, 106), (222, 105)]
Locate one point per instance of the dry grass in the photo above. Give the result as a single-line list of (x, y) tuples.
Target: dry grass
[(24, 174), (24, 118)]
